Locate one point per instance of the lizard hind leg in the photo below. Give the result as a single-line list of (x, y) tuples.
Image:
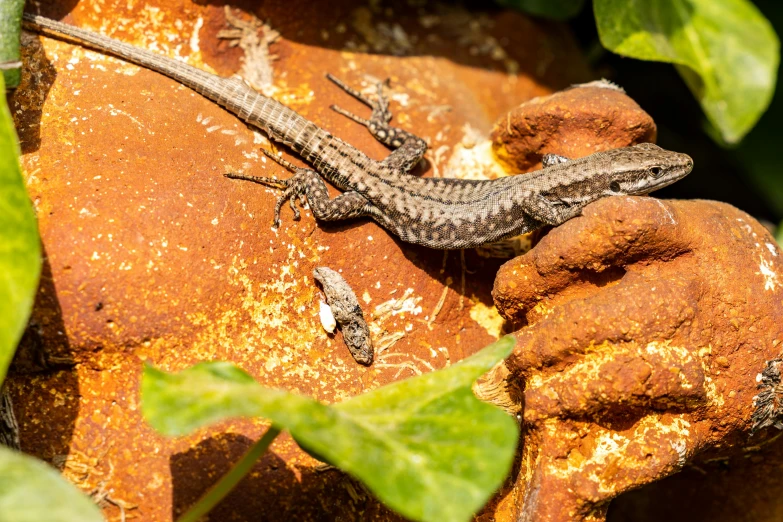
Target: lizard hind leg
[(293, 187), (308, 186), (409, 148)]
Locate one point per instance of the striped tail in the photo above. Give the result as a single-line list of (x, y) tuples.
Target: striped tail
[(200, 81), (282, 123)]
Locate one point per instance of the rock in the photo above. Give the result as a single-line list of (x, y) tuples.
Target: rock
[(152, 255), (573, 123), (743, 486), (646, 323)]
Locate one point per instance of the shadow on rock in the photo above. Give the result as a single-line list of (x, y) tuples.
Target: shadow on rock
[(42, 382), (272, 490)]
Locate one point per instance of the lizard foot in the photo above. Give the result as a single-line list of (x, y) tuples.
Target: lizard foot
[(293, 187), (380, 106), (378, 124), (409, 148)]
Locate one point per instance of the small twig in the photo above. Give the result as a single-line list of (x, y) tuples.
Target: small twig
[(216, 493), (439, 304), (9, 429), (402, 366), (410, 355), (387, 341), (462, 278), (445, 260)]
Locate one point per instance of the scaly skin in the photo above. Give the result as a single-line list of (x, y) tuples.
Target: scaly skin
[(437, 213)]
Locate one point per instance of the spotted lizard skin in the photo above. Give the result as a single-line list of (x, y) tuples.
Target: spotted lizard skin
[(441, 213)]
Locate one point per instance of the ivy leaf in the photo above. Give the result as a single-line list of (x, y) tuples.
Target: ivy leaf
[(555, 9), (725, 50), (10, 28), (20, 249), (425, 446), (31, 491)]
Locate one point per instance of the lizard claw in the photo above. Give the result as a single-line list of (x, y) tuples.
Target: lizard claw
[(292, 188), (379, 106), (280, 160), (350, 115), (292, 204), (350, 90), (267, 182), (296, 188)]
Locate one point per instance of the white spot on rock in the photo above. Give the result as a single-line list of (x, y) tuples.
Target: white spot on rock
[(770, 277), (194, 46)]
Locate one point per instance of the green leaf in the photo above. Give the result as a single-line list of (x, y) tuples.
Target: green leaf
[(20, 249), (425, 446), (10, 29), (555, 9), (725, 50), (31, 491)]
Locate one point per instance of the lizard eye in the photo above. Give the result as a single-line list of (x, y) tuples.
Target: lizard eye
[(614, 186), (656, 171)]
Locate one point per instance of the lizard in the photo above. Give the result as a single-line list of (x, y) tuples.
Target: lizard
[(439, 213)]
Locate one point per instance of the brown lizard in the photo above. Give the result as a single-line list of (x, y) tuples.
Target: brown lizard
[(438, 213)]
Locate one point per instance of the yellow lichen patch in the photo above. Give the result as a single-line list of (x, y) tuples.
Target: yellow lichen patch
[(488, 317), (713, 396), (675, 357), (666, 350), (541, 310), (475, 162), (274, 331), (503, 157), (615, 460), (587, 369)]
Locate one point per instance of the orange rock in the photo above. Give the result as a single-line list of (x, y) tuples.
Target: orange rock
[(646, 324), (152, 255), (573, 123)]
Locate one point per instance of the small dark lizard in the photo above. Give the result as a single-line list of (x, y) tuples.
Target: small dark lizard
[(439, 213)]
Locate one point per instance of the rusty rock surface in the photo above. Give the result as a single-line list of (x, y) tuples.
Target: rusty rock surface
[(646, 323), (573, 123), (152, 255)]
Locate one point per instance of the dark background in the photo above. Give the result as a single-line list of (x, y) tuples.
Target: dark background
[(749, 176)]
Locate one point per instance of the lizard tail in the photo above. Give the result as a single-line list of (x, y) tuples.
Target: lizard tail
[(186, 74)]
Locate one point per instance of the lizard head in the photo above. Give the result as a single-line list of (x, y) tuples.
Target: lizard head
[(644, 168)]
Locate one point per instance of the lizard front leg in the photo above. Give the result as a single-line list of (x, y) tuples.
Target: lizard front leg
[(550, 211), (408, 148), (307, 185)]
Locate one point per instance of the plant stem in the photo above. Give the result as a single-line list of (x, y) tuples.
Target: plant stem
[(224, 486), (10, 29)]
